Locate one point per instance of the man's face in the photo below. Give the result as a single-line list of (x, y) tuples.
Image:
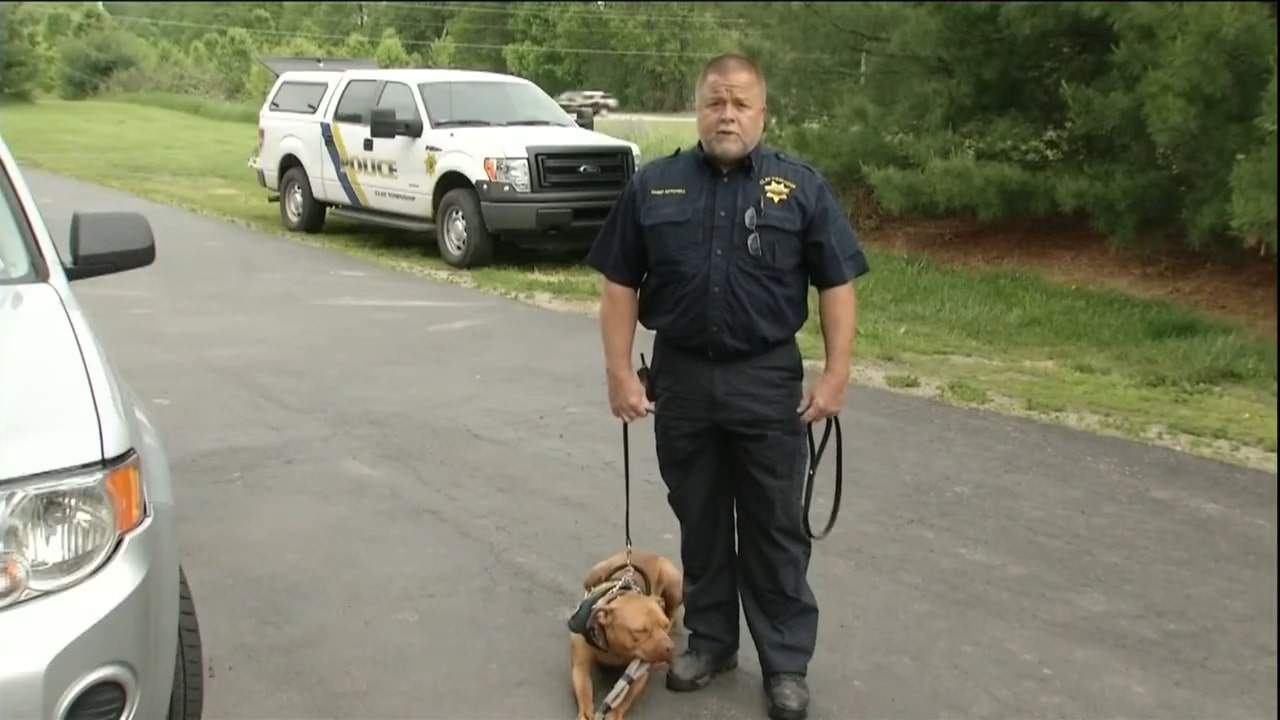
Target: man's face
[(731, 111)]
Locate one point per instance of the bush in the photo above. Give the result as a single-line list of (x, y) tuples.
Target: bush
[(987, 190), (89, 63), (179, 77)]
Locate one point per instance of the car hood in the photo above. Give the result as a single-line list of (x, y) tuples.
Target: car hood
[(47, 416), (514, 141)]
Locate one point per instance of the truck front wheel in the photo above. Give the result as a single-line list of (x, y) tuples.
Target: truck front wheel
[(186, 698), (298, 207), (461, 235)]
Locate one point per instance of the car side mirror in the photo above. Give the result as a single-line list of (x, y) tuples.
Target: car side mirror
[(586, 118), (103, 243), (382, 123)]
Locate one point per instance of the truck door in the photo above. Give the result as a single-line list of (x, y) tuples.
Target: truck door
[(399, 177), (345, 137)]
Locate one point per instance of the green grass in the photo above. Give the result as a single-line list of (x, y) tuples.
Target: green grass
[(245, 112), (655, 138), (966, 393), (980, 336), (899, 380)]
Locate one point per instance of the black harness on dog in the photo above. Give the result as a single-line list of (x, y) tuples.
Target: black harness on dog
[(583, 621)]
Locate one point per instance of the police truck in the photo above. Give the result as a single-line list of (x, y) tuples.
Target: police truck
[(472, 159)]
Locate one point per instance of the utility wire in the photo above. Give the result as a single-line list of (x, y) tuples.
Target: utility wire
[(527, 9), (329, 36)]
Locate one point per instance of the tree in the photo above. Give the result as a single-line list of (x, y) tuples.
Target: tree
[(390, 53), (1132, 115), (20, 53), (1253, 180)]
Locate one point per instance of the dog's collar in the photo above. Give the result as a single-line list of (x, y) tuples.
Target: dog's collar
[(583, 621)]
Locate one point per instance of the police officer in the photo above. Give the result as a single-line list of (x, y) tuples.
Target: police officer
[(714, 250)]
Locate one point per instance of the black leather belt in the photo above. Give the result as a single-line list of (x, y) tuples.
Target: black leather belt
[(720, 355)]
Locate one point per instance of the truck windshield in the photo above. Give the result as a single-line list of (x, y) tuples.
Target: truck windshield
[(16, 265), (490, 103)]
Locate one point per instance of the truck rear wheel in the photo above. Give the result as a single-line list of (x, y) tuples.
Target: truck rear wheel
[(299, 209), (461, 234)]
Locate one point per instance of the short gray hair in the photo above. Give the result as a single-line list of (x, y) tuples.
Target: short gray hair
[(730, 61)]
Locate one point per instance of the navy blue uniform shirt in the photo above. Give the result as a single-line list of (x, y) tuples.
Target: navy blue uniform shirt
[(679, 235)]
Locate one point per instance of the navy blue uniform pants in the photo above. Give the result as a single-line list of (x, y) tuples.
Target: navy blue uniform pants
[(732, 452)]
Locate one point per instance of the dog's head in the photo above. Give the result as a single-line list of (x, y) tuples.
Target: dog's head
[(636, 626)]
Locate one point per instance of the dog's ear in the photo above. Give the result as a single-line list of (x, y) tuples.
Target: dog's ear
[(604, 616)]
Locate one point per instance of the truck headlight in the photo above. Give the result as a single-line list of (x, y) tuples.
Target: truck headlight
[(513, 171), (55, 531)]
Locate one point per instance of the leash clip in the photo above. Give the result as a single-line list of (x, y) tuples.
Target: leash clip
[(634, 671)]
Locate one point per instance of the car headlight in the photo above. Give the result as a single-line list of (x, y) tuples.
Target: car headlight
[(513, 171), (57, 530)]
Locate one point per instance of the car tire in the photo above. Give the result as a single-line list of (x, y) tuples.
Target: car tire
[(186, 699), (299, 210), (461, 235)]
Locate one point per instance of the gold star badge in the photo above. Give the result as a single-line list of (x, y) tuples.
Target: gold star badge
[(776, 191), (431, 163)]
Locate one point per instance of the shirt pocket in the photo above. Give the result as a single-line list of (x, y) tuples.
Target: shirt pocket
[(781, 238), (671, 232)]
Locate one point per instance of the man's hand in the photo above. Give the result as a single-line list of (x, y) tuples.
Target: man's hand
[(824, 398), (618, 308), (627, 397)]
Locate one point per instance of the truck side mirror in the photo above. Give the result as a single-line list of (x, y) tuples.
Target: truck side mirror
[(103, 243), (586, 118), (382, 123)]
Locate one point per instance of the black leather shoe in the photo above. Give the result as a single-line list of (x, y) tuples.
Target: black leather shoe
[(788, 696), (693, 669)]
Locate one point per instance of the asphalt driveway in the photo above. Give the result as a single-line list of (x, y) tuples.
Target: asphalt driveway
[(390, 488)]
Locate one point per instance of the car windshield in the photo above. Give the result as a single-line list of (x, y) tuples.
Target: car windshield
[(16, 264), (490, 103)]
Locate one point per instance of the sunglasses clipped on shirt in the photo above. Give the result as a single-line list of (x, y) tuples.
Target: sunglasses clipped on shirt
[(753, 240)]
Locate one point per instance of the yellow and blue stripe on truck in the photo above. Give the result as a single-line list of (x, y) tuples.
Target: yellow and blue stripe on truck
[(338, 155)]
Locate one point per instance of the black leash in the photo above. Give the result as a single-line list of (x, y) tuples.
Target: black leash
[(643, 375), (626, 473), (815, 457)]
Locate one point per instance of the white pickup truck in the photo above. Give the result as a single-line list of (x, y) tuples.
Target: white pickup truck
[(472, 157)]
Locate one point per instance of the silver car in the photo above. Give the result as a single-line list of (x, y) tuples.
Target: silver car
[(96, 619)]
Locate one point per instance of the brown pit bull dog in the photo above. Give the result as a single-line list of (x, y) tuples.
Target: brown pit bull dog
[(623, 617)]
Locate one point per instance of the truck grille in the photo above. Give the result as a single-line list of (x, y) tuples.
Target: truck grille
[(582, 169)]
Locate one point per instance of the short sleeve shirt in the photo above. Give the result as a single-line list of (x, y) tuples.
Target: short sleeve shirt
[(679, 234)]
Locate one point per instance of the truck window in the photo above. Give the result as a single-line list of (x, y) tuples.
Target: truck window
[(298, 97), (399, 97), (16, 244), (493, 103), (356, 102)]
